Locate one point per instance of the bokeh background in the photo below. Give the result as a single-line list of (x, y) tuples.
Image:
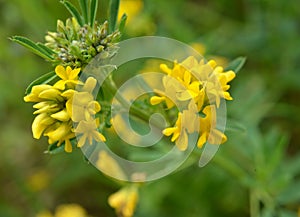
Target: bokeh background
[(256, 173)]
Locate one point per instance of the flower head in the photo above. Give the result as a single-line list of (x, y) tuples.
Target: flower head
[(65, 210), (124, 201), (68, 76), (202, 84), (59, 106), (76, 45)]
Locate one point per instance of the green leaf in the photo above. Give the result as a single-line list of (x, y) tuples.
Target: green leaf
[(44, 79), (54, 149), (235, 126), (32, 46), (73, 11), (45, 48), (93, 11), (291, 194), (84, 9), (113, 14), (122, 23), (236, 64)]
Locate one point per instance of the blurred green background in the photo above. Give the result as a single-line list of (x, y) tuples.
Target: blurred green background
[(256, 173)]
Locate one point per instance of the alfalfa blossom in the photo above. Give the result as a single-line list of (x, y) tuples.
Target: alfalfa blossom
[(125, 200), (203, 84), (59, 108)]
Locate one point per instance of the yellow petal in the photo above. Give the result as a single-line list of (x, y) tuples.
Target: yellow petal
[(94, 107), (202, 140), (82, 141), (169, 131), (61, 84), (35, 91), (68, 93), (51, 94), (59, 133), (38, 127), (182, 141), (165, 68), (68, 146), (184, 96), (212, 63), (187, 77), (98, 136), (61, 115), (176, 134), (61, 72), (230, 75), (89, 85), (154, 100)]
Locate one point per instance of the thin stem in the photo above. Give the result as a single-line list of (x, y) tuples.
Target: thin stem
[(142, 114), (254, 204)]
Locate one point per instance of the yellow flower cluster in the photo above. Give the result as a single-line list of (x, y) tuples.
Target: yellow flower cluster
[(202, 85), (125, 200), (60, 107)]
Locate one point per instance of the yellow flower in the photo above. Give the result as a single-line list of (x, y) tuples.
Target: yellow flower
[(81, 105), (35, 92), (187, 123), (38, 180), (203, 82), (109, 165), (69, 77), (194, 82), (44, 214), (89, 131), (131, 8), (61, 133), (208, 131), (59, 105), (65, 210), (199, 47), (124, 201), (169, 95), (70, 210)]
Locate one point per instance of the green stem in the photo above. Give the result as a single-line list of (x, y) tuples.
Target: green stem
[(254, 204), (142, 114)]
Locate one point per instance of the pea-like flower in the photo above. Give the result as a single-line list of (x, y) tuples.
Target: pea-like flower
[(202, 84), (60, 107), (125, 200)]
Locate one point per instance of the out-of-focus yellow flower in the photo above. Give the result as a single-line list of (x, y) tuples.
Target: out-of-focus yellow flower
[(65, 210), (39, 180), (131, 8), (70, 210), (44, 214), (109, 166), (125, 201), (199, 47)]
